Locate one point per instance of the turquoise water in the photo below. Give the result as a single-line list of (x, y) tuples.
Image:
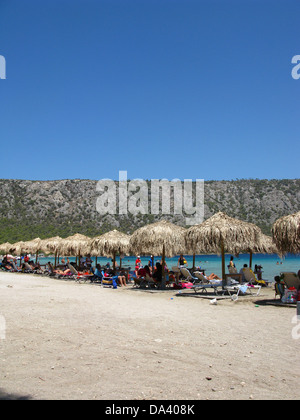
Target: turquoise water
[(212, 263)]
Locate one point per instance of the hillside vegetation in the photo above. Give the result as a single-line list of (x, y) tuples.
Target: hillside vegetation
[(30, 209)]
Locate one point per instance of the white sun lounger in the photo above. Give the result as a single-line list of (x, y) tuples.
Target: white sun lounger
[(236, 289), (203, 288)]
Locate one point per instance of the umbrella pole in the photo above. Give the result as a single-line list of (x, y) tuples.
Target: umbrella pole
[(36, 256), (250, 261), (55, 259), (114, 262), (163, 283), (223, 265), (194, 258)]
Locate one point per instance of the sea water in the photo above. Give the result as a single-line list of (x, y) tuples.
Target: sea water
[(271, 264)]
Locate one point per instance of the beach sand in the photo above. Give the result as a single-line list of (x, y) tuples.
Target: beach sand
[(65, 340)]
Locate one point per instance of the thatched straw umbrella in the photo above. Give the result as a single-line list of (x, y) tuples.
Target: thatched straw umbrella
[(17, 249), (110, 244), (32, 247), (160, 238), (75, 245), (220, 234), (286, 233), (264, 245), (51, 246), (4, 248)]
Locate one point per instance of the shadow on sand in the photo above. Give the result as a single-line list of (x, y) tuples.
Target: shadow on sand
[(5, 396)]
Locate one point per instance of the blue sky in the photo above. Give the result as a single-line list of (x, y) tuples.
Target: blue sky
[(184, 89)]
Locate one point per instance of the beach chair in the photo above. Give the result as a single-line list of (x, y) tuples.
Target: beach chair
[(291, 280), (235, 290), (232, 270), (279, 289), (111, 281), (27, 268), (187, 275), (251, 277), (78, 276), (200, 277), (203, 285), (52, 272), (150, 282), (15, 268), (139, 282)]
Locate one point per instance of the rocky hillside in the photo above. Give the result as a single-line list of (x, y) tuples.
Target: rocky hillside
[(30, 209)]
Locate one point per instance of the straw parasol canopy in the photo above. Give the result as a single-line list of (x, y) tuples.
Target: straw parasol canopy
[(160, 238), (286, 233), (50, 245), (32, 247), (75, 245), (220, 234), (151, 239), (5, 248), (266, 245), (17, 248), (109, 244)]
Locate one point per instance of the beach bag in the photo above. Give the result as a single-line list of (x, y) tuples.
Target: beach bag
[(186, 285), (182, 285), (114, 282), (290, 296)]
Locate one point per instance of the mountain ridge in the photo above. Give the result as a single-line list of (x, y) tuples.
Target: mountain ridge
[(31, 208)]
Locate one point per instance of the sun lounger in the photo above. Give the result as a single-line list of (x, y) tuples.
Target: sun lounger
[(291, 280), (140, 282), (251, 277), (144, 282), (187, 275), (15, 268), (200, 277), (28, 268), (203, 285), (279, 289), (110, 281), (237, 289), (79, 276)]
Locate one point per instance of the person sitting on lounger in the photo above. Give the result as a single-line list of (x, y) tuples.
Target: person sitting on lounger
[(121, 277), (97, 274), (242, 273), (122, 280), (60, 272), (7, 265), (157, 276), (142, 272)]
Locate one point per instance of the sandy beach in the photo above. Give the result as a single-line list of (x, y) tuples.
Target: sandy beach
[(64, 340)]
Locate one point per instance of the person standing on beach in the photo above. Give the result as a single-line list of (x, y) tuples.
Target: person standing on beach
[(231, 263), (181, 261), (138, 264)]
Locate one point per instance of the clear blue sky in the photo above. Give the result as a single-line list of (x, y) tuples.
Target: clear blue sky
[(161, 88)]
